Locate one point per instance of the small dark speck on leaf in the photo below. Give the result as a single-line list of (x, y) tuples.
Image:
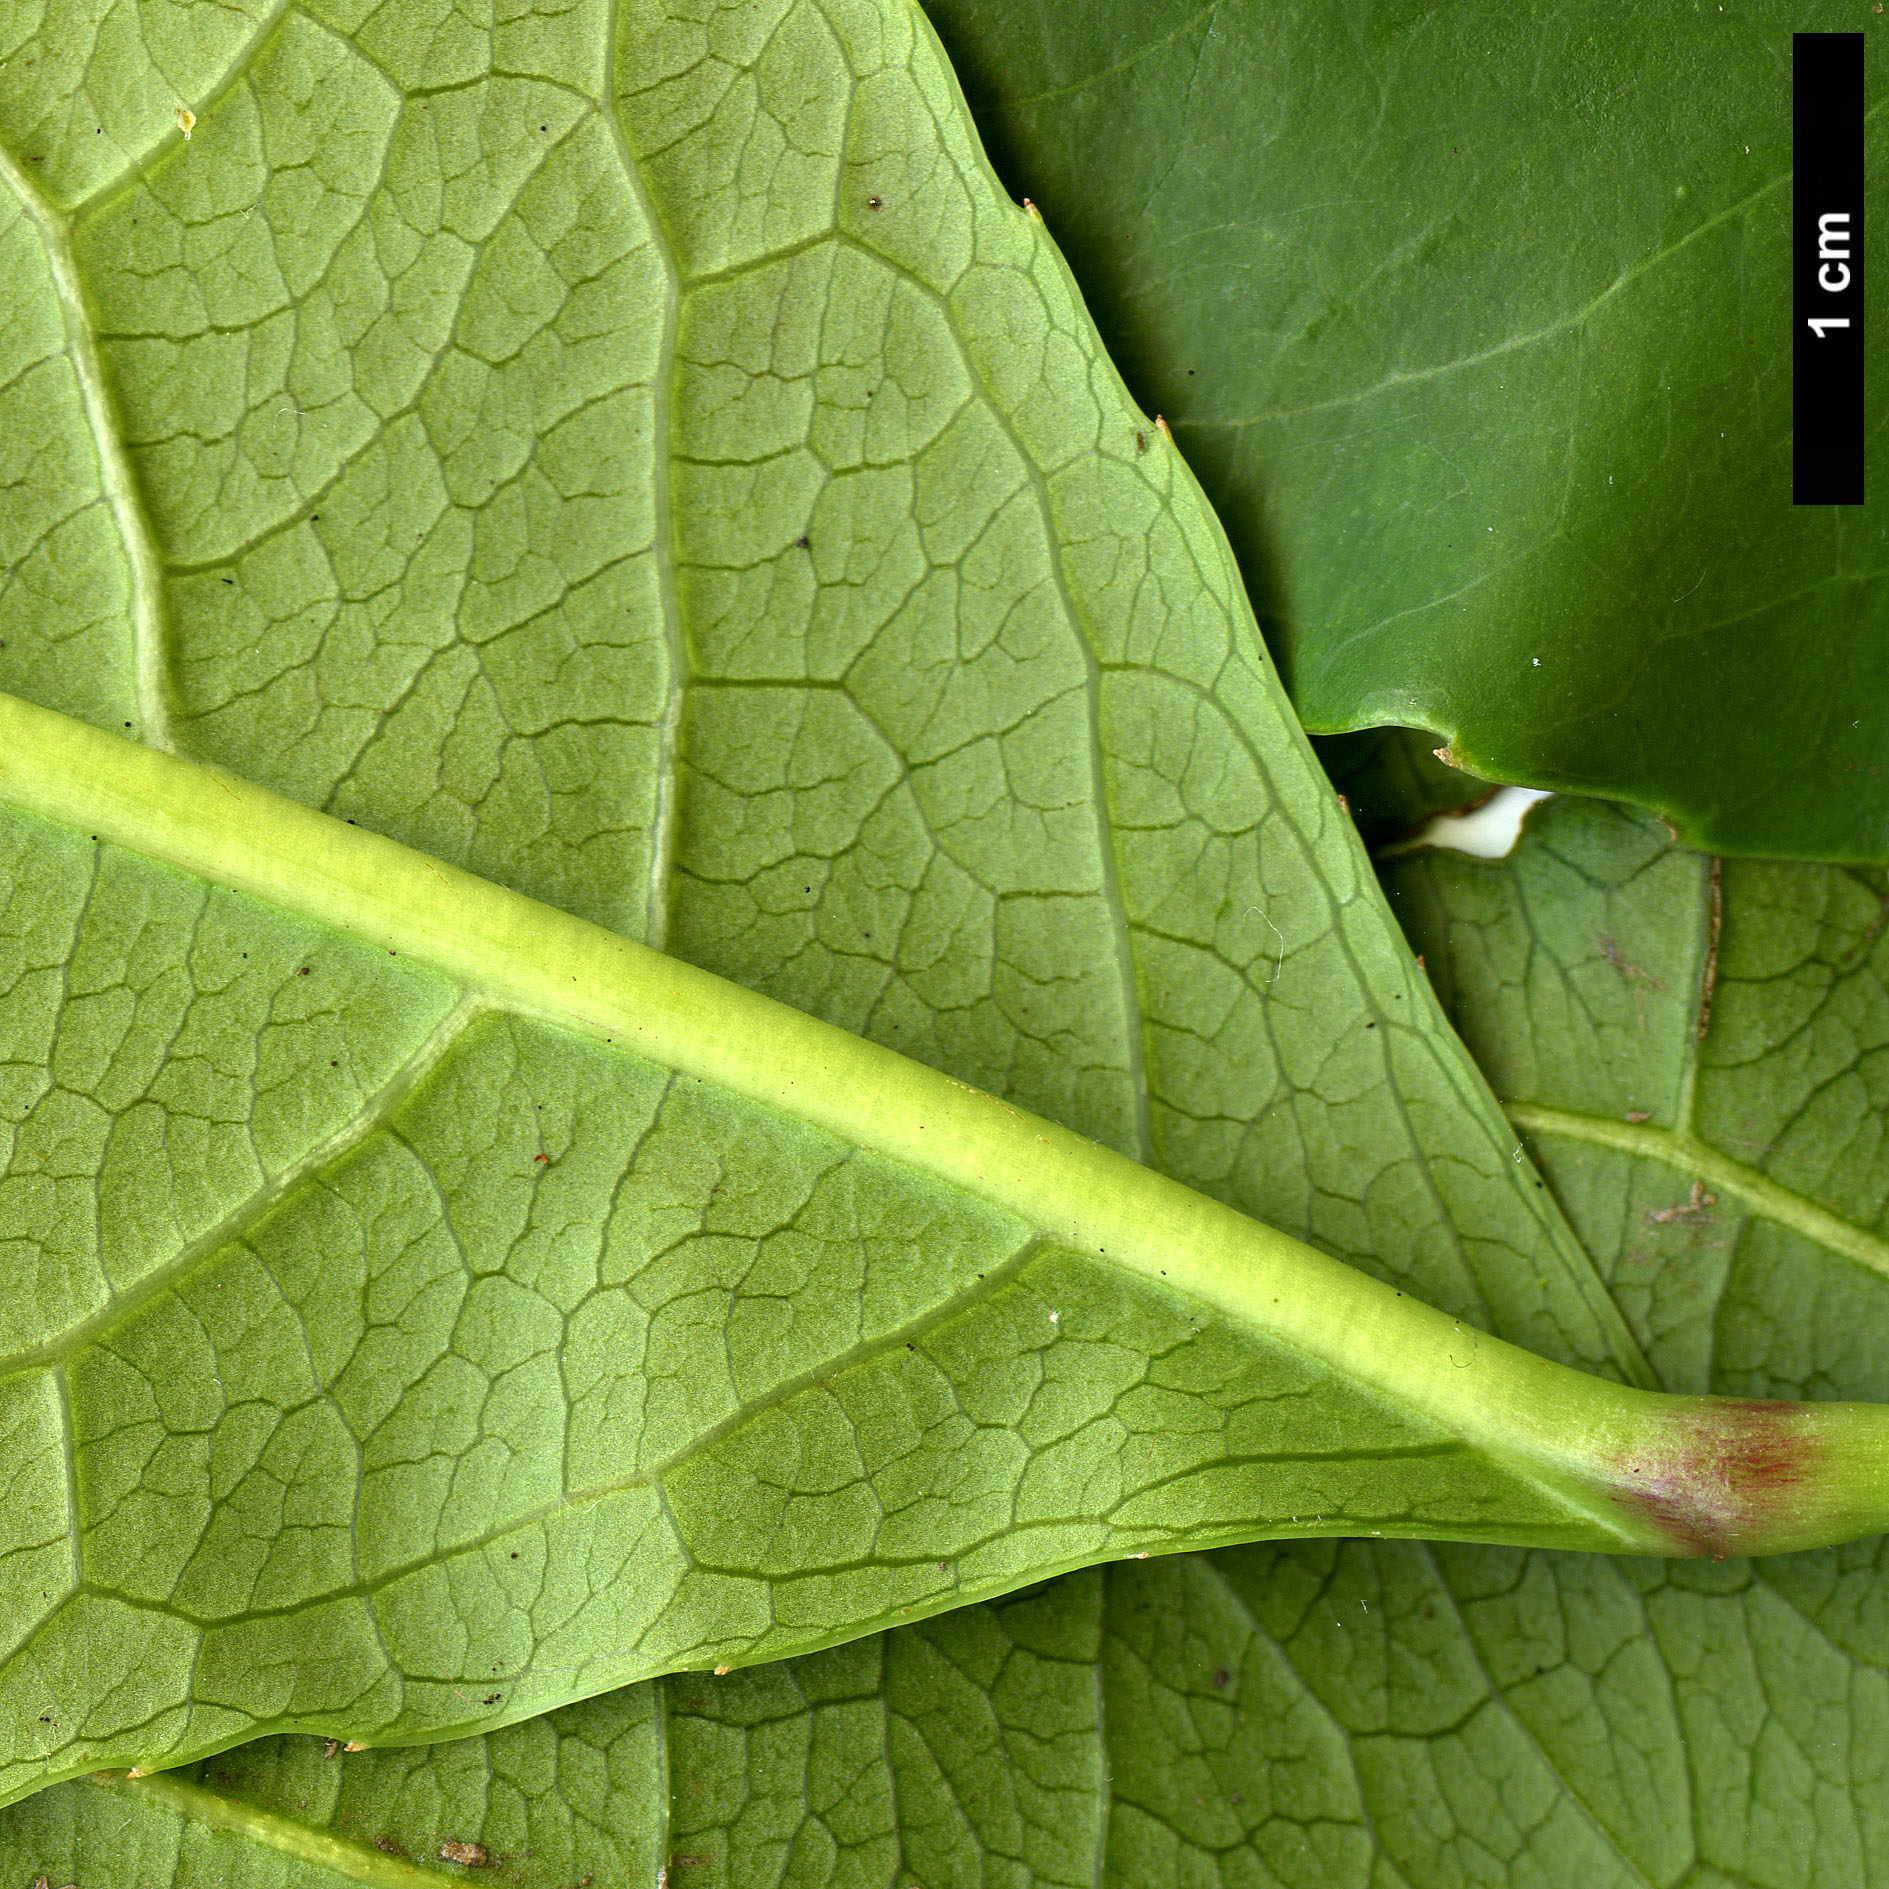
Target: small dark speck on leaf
[(1221, 1676), (387, 1846), (229, 580), (875, 203), (492, 1698), (1141, 442), (803, 543)]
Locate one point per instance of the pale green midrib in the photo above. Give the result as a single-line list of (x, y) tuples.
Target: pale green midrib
[(1690, 1155), (354, 1861), (549, 965), (373, 1112), (116, 480)]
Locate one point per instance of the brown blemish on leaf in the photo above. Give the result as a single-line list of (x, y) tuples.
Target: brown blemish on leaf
[(1636, 977), (1710, 977), (472, 1855), (1722, 1477), (1696, 1212)]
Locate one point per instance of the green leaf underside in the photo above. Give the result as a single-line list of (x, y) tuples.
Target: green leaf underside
[(1407, 289), (534, 1362), (493, 544), (410, 693), (449, 443), (1330, 1713), (1324, 1714)]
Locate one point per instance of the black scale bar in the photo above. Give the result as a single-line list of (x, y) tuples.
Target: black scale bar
[(1827, 268)]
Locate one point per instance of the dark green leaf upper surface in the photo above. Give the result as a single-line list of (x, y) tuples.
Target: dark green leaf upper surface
[(1476, 326)]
